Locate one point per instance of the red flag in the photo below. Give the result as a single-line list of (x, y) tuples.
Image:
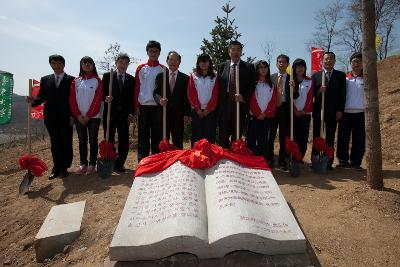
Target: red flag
[(36, 112), (316, 59)]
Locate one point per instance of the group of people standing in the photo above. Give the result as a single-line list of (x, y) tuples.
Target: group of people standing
[(209, 98)]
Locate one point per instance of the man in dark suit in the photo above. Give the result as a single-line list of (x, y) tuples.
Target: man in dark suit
[(176, 98), (54, 91), (122, 107), (227, 97), (282, 114), (335, 99)]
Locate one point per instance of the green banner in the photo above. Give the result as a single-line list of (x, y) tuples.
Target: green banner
[(6, 91)]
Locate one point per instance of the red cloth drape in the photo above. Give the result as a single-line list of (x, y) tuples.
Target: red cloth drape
[(203, 155)]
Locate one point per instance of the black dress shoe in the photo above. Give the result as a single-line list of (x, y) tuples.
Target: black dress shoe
[(282, 165), (119, 169), (343, 165), (64, 174), (53, 175)]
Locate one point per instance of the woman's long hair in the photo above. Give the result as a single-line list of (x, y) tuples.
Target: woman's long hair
[(268, 76), (205, 58), (84, 60)]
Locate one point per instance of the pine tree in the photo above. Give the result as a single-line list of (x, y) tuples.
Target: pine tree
[(221, 35)]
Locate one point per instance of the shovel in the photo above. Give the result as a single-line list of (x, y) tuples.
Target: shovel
[(32, 163), (294, 166), (164, 144), (320, 162), (105, 164)]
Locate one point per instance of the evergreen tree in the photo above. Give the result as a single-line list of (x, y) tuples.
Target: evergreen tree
[(221, 35)]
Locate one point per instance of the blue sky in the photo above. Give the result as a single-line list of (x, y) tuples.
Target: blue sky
[(31, 30)]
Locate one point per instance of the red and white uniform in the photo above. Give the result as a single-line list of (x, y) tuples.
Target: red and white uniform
[(203, 92), (354, 94), (263, 100), (86, 96), (306, 94), (145, 83)]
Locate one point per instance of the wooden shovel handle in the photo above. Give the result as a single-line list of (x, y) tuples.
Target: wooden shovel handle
[(164, 95), (110, 87), (30, 119)]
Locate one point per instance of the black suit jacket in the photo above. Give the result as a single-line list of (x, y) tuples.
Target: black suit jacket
[(335, 97), (56, 107), (123, 102), (178, 103), (246, 81)]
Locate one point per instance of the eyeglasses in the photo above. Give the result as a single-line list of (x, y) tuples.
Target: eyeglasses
[(87, 63)]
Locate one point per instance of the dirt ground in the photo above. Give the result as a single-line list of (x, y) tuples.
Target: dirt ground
[(345, 222)]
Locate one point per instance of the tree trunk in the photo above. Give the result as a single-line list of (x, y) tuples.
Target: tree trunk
[(372, 125)]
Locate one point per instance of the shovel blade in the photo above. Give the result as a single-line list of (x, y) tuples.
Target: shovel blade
[(105, 168), (25, 183)]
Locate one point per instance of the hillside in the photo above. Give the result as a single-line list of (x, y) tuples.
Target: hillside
[(389, 104)]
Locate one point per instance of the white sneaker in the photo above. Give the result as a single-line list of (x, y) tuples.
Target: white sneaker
[(90, 170), (82, 169)]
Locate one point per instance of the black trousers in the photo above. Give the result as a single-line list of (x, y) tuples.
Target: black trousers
[(257, 136), (118, 124), (203, 127), (281, 119), (330, 130), (351, 124), (175, 128), (61, 144), (149, 130), (91, 130), (227, 121), (301, 129)]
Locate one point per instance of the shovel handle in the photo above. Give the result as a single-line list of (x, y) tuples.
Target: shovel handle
[(321, 130), (30, 120), (110, 87), (164, 95), (291, 105), (237, 103)]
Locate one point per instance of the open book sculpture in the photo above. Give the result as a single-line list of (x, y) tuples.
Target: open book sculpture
[(231, 202)]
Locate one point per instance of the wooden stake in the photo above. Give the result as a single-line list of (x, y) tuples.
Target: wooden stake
[(110, 87), (164, 95)]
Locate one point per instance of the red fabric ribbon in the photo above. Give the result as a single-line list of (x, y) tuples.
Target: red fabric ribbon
[(239, 147), (106, 150), (33, 164), (203, 155), (166, 146), (320, 145), (292, 148)]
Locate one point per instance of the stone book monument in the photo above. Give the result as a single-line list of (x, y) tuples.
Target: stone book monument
[(208, 213)]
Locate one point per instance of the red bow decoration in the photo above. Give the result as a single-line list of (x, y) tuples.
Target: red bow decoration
[(239, 147), (292, 148), (33, 164), (106, 150), (166, 146), (321, 145), (203, 155)]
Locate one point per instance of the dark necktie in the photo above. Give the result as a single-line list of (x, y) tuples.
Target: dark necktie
[(232, 81), (120, 82)]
